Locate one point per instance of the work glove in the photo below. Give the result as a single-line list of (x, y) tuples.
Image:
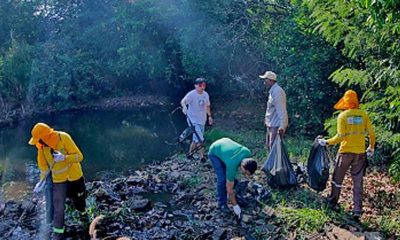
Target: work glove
[(237, 210), (370, 152), (39, 187), (184, 110), (58, 157), (322, 142)]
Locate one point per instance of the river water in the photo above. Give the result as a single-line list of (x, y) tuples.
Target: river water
[(111, 141)]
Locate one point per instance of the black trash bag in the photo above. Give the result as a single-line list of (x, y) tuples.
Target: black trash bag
[(248, 193), (241, 193), (186, 134), (279, 170), (318, 167), (261, 193), (301, 172)]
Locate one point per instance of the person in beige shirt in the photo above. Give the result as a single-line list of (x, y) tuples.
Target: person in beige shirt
[(276, 117)]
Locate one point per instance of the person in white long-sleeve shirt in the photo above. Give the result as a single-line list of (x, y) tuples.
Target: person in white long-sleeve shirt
[(276, 117)]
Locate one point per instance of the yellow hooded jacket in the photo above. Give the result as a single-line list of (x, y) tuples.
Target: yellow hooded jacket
[(68, 170), (353, 125)]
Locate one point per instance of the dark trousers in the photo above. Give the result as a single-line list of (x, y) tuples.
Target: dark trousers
[(49, 199), (75, 190), (356, 163), (220, 171)]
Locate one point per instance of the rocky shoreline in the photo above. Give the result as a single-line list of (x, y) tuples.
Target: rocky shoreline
[(174, 199), (11, 115)]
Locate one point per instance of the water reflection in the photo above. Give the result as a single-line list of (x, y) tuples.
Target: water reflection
[(109, 140)]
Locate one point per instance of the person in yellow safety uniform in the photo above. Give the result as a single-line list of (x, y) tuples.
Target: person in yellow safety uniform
[(353, 124), (58, 153)]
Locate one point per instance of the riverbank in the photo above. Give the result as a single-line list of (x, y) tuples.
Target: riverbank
[(11, 115), (175, 199)]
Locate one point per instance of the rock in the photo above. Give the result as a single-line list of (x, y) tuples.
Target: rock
[(95, 184), (100, 193), (118, 186), (315, 236), (4, 227), (205, 234), (246, 218), (337, 233), (271, 228), (265, 228), (373, 236), (157, 179), (27, 208), (219, 234), (135, 190), (117, 211), (134, 180), (160, 205), (268, 211), (174, 166), (11, 207), (175, 175), (138, 203), (19, 233)]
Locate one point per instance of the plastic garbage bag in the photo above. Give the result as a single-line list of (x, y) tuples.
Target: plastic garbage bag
[(279, 170), (186, 134), (248, 193), (318, 167), (260, 192)]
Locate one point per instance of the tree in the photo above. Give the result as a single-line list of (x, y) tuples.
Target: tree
[(368, 33)]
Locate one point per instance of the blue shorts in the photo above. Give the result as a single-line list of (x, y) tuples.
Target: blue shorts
[(200, 131)]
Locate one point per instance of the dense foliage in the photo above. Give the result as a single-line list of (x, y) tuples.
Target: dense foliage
[(59, 54), (65, 53), (368, 33)]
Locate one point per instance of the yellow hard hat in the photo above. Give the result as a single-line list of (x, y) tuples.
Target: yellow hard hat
[(40, 131)]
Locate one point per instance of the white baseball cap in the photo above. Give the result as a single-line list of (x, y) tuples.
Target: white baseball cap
[(268, 74)]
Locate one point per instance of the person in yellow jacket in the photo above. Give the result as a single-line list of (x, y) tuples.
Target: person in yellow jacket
[(353, 124), (58, 153)]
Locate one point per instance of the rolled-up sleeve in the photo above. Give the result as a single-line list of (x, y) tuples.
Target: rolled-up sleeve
[(74, 155)]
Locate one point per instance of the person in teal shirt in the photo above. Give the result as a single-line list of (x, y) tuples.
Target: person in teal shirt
[(227, 157)]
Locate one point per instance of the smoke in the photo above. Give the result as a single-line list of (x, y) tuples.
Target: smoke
[(208, 38)]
